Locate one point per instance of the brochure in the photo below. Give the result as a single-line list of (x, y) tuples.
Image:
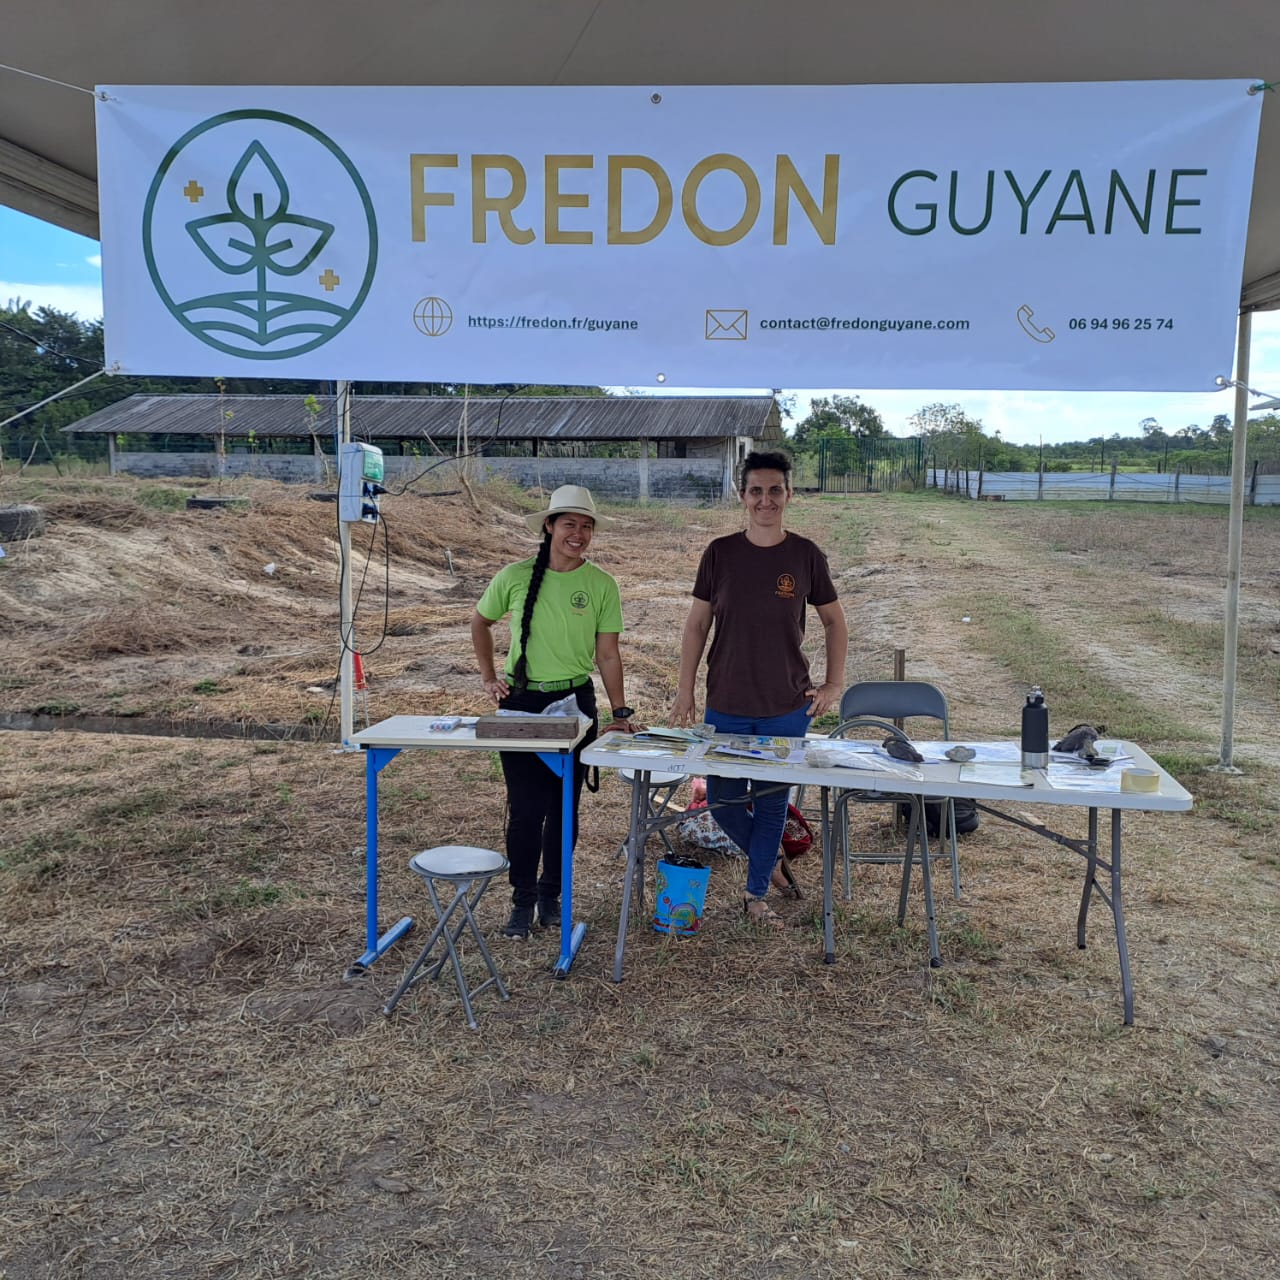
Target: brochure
[(660, 733)]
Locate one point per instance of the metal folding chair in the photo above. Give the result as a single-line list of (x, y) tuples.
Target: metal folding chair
[(898, 700), (917, 833)]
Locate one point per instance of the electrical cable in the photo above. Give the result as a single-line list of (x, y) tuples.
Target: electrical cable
[(471, 453), (45, 347)]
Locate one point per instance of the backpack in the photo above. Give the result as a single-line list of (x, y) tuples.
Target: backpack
[(966, 815), (797, 834), (701, 828)]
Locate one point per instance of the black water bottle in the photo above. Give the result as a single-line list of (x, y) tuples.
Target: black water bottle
[(1035, 731)]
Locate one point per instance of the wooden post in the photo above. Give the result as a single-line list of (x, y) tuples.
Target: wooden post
[(899, 673), (1111, 491)]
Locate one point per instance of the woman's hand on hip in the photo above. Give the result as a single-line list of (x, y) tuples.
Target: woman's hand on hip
[(822, 699), (496, 688)]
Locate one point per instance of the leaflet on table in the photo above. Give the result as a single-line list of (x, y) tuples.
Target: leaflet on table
[(838, 753), (1070, 774), (755, 747), (630, 744), (997, 773), (660, 733)]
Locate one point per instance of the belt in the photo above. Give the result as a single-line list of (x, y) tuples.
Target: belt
[(551, 686)]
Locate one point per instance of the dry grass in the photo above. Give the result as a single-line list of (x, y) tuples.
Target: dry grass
[(191, 1090)]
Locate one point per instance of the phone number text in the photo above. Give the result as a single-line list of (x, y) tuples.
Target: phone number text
[(1121, 322)]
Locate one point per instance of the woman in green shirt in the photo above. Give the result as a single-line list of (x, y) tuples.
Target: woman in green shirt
[(566, 617)]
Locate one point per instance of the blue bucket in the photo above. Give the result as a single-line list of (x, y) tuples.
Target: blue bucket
[(679, 896)]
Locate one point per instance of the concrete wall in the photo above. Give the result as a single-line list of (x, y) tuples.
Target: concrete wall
[(686, 480)]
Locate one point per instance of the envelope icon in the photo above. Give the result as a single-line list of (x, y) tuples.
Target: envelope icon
[(726, 324)]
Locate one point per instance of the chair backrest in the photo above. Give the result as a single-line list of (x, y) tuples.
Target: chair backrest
[(867, 727), (896, 700)]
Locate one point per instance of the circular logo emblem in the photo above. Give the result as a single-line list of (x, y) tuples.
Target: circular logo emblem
[(433, 316), (578, 599), (259, 235), (786, 586)]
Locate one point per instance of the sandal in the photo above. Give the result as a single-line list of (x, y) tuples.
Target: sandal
[(758, 911), (784, 882)]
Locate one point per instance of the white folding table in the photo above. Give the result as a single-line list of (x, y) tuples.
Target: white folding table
[(1061, 784), (383, 741)]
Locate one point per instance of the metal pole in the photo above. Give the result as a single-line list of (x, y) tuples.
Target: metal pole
[(1235, 537), (342, 405)]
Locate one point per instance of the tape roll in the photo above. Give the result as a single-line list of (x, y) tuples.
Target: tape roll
[(1143, 780)]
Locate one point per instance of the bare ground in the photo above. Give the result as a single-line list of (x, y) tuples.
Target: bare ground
[(192, 1090)]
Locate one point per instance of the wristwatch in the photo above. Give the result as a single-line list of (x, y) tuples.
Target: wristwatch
[(622, 713)]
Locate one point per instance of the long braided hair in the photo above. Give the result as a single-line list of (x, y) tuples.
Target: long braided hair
[(520, 675)]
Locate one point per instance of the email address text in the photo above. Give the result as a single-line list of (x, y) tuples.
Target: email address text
[(588, 324), (861, 322)]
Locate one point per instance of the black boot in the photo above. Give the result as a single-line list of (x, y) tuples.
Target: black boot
[(548, 913), (520, 924)]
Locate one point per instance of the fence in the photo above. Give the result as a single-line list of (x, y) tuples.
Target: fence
[(1261, 490), (865, 465)]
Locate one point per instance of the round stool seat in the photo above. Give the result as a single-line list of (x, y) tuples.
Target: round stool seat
[(457, 861), (656, 778)]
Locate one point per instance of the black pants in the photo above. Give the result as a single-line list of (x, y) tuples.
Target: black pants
[(534, 801)]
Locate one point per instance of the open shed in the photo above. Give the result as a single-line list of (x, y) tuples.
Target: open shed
[(671, 448)]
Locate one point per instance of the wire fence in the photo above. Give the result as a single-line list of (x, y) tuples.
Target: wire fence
[(1261, 488)]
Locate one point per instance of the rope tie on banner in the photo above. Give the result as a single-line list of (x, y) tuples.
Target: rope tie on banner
[(1263, 86), (79, 88), (1235, 382)]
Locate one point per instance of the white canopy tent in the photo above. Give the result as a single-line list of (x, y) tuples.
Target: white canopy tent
[(55, 53)]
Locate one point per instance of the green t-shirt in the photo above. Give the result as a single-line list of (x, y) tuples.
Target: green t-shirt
[(571, 610)]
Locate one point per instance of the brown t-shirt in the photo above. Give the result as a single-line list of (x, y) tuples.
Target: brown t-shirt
[(758, 597)]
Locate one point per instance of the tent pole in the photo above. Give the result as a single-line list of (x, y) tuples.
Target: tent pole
[(1231, 620), (342, 403)]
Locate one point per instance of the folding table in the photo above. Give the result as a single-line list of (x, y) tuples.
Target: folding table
[(383, 741), (1060, 785)]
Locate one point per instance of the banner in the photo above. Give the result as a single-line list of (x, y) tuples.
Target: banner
[(1024, 236)]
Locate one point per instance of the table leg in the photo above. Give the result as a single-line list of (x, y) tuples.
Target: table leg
[(1117, 912), (828, 875), (376, 759), (1090, 878), (571, 935), (1113, 899), (635, 871)]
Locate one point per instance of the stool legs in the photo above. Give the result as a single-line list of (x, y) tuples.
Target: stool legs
[(467, 894)]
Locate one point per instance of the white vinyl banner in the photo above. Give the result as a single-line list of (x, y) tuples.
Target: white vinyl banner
[(1054, 236)]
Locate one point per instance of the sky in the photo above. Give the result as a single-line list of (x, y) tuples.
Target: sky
[(47, 266)]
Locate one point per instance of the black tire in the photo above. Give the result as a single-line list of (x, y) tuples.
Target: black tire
[(20, 521)]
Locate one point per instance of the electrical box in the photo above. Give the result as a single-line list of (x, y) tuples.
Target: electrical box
[(359, 482)]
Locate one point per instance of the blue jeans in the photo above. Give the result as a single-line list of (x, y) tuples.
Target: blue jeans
[(758, 833)]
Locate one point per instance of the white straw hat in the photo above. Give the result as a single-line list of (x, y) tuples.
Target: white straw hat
[(575, 498)]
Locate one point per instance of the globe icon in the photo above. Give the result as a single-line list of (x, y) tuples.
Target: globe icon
[(433, 317)]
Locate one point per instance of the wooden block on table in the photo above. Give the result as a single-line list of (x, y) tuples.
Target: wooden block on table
[(553, 727)]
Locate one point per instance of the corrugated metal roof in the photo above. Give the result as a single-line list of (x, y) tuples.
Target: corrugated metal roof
[(440, 417)]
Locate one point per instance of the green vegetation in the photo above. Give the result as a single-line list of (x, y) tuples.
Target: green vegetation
[(1013, 633)]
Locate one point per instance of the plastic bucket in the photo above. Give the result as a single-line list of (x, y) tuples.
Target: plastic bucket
[(679, 896)]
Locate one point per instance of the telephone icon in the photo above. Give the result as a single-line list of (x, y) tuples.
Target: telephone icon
[(1031, 329)]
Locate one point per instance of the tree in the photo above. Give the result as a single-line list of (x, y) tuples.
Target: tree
[(951, 435), (837, 418)]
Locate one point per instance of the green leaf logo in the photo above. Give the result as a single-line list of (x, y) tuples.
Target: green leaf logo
[(264, 235)]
